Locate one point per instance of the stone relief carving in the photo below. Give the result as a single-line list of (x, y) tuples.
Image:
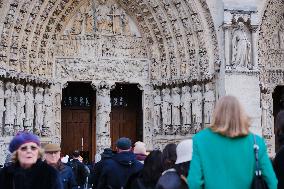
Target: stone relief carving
[(176, 103), (20, 108), (113, 20), (186, 109), (10, 112), (2, 106), (166, 111), (48, 115), (38, 110), (196, 108), (119, 70), (241, 48), (157, 111), (29, 108), (209, 103)]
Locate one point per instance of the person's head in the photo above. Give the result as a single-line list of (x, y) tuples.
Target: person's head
[(169, 156), (123, 144), (76, 154), (107, 153), (184, 156), (229, 118), (153, 167), (25, 149), (280, 123), (139, 148), (52, 153)]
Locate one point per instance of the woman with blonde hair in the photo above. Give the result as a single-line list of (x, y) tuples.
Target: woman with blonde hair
[(223, 154), (27, 170)]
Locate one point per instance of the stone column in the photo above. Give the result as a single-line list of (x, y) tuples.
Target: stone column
[(148, 120), (29, 108), (103, 109), (2, 107)]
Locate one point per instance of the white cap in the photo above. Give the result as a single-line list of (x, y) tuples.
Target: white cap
[(184, 151), (139, 148)]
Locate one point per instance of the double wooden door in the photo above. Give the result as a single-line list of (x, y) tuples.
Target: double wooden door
[(79, 122)]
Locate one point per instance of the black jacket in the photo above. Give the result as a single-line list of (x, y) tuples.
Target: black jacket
[(279, 167), (80, 171), (117, 170), (40, 175)]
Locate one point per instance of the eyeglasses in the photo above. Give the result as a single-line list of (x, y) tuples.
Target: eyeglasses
[(52, 152), (25, 148)]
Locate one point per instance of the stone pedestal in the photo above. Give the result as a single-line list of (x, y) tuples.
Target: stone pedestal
[(245, 86)]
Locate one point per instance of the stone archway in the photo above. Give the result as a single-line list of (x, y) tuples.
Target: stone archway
[(271, 59), (161, 45)]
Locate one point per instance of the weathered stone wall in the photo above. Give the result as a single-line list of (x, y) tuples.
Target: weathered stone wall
[(183, 54)]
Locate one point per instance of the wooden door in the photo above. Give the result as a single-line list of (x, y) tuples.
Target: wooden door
[(126, 113), (78, 120), (75, 130)]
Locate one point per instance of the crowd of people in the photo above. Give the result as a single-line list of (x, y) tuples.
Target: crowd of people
[(221, 156)]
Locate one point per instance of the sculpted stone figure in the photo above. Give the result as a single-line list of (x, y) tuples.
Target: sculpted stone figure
[(267, 115), (157, 111), (166, 110), (104, 22), (196, 108), (77, 24), (48, 113), (29, 109), (10, 111), (116, 20), (38, 110), (20, 108), (176, 108), (186, 109), (241, 48), (2, 106), (209, 103)]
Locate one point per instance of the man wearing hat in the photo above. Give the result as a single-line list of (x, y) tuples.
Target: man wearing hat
[(120, 167), (52, 157)]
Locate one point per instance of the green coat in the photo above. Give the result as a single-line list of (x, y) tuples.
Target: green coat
[(221, 162)]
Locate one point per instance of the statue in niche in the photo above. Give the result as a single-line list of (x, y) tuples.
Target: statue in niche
[(166, 110), (104, 22), (241, 48), (176, 109), (38, 110), (103, 110), (10, 109), (209, 103), (77, 24), (48, 113), (157, 111), (20, 108), (266, 115), (2, 105), (29, 109), (185, 109), (196, 108)]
